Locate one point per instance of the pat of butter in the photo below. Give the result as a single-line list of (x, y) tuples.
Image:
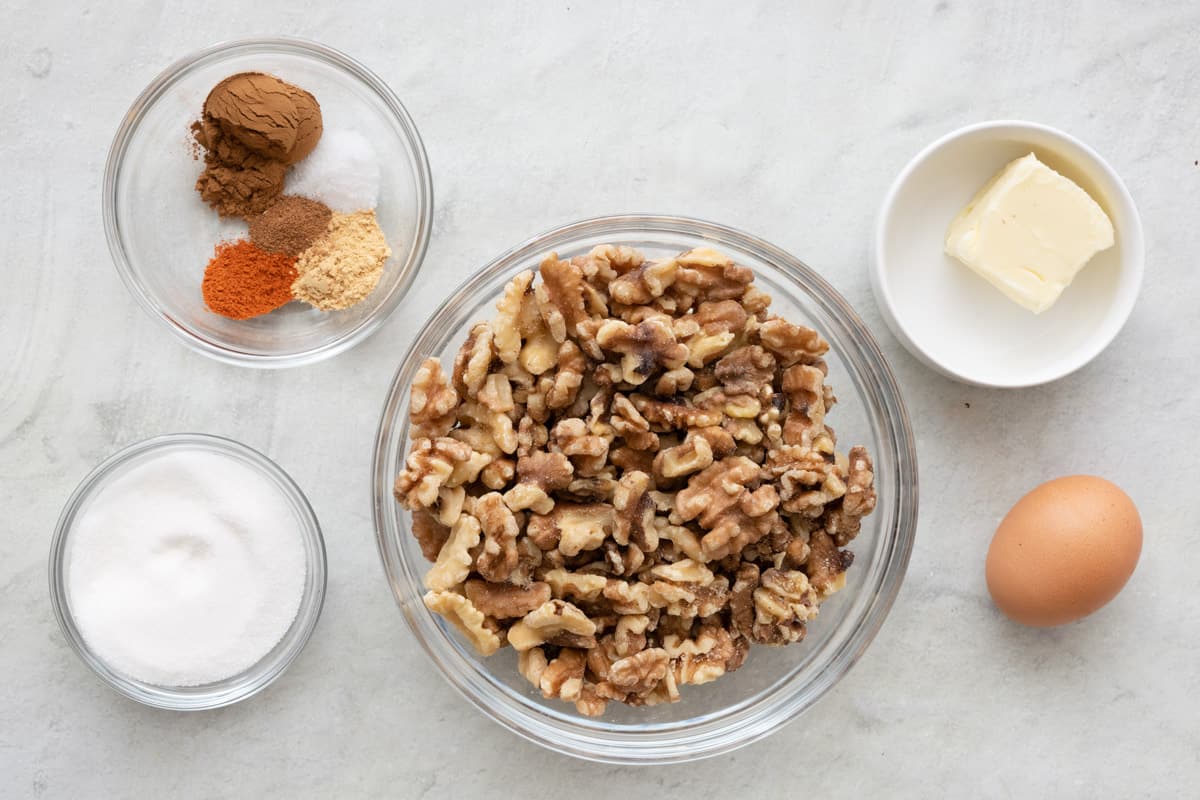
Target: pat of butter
[(1028, 232)]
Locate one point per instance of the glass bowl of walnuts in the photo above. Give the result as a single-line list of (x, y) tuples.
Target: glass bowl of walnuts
[(610, 500)]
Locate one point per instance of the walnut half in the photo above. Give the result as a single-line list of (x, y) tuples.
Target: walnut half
[(466, 617), (549, 621)]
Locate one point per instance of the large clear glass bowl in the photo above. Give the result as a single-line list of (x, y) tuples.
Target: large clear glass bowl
[(161, 234), (236, 687), (775, 684)]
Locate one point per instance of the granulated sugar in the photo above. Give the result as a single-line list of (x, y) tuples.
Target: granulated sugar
[(186, 569), (342, 172)]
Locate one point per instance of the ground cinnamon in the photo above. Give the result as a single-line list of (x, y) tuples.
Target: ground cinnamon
[(253, 127), (244, 281)]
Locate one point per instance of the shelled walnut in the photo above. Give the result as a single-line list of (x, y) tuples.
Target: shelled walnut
[(628, 478)]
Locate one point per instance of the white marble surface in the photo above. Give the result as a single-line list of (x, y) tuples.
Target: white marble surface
[(789, 124)]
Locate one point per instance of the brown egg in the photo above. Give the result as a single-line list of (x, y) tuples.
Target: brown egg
[(1063, 551)]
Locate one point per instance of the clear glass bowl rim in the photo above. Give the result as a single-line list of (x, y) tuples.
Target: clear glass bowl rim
[(752, 724), (272, 665), (285, 44)]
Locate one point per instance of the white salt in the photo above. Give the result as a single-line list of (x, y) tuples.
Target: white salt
[(186, 569), (342, 172)]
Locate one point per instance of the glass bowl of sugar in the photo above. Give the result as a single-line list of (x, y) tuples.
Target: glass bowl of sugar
[(187, 571)]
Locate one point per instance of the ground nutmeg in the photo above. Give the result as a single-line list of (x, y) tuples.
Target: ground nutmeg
[(242, 280), (290, 226)]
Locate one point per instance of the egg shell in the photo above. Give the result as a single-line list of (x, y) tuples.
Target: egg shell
[(1063, 551)]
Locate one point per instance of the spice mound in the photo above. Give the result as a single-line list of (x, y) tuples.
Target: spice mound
[(255, 129), (344, 265), (186, 569), (626, 476), (266, 115), (343, 173), (252, 128), (244, 281), (290, 226)]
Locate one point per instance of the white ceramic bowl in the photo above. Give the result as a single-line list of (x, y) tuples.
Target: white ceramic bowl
[(953, 320)]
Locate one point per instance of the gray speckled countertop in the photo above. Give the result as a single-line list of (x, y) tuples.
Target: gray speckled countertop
[(789, 124)]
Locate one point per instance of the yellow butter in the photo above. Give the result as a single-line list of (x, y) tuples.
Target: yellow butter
[(1028, 232)]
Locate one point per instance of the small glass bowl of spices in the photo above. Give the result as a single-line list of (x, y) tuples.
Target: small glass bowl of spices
[(187, 571), (269, 201)]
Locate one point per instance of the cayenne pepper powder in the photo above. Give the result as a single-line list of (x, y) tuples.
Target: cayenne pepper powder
[(242, 280)]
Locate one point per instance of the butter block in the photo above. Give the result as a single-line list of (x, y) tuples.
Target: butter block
[(1028, 232)]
